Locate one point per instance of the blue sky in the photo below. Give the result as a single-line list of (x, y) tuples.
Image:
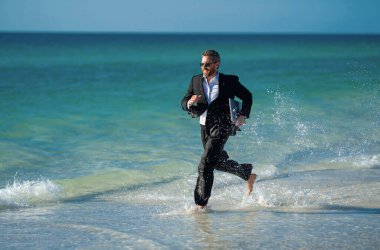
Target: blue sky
[(260, 16)]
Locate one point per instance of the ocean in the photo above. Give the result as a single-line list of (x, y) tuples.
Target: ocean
[(96, 152)]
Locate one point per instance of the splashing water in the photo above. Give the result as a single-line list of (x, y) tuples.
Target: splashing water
[(29, 193)]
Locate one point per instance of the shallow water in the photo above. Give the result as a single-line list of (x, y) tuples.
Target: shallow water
[(95, 151), (120, 225)]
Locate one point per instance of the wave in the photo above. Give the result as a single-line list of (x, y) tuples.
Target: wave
[(313, 186), (307, 190), (364, 161), (29, 193)]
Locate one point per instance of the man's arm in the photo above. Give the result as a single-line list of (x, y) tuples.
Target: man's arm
[(187, 97), (246, 96), (193, 103)]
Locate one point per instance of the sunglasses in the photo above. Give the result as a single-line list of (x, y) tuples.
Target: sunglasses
[(206, 65)]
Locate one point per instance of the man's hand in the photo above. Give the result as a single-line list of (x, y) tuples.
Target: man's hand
[(193, 100), (240, 121)]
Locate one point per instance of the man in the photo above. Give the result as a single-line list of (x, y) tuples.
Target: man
[(207, 97)]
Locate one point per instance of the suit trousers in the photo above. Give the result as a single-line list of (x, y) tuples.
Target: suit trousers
[(215, 157)]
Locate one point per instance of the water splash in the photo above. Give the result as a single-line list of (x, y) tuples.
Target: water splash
[(29, 193)]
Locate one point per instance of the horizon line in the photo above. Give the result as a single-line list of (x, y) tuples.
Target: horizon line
[(182, 33)]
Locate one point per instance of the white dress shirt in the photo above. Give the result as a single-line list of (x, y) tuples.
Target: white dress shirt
[(211, 90)]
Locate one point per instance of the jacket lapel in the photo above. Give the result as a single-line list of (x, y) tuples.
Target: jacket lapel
[(221, 85), (200, 85)]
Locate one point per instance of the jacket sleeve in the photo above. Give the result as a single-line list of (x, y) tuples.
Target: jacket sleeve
[(246, 96), (186, 98)]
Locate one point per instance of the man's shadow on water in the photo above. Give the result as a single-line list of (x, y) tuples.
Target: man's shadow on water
[(212, 233)]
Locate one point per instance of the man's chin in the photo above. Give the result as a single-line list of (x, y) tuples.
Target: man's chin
[(207, 74)]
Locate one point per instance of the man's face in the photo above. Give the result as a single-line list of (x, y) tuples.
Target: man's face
[(209, 66)]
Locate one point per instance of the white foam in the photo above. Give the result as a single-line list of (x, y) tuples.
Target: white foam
[(362, 161), (188, 208), (266, 171), (29, 193), (279, 197), (368, 161)]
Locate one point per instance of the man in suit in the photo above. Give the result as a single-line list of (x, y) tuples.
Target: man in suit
[(207, 97)]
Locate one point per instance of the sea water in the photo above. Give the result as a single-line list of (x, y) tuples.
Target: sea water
[(96, 152)]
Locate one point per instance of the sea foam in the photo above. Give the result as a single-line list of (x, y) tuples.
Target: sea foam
[(29, 193)]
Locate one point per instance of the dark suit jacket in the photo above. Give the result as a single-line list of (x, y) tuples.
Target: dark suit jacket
[(218, 112)]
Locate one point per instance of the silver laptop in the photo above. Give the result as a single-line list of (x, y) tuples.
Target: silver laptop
[(235, 108)]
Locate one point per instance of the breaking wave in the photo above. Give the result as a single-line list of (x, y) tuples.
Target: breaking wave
[(29, 193)]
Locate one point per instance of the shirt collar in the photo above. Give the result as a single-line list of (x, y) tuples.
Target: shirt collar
[(215, 78)]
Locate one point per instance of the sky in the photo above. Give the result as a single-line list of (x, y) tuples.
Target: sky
[(209, 16)]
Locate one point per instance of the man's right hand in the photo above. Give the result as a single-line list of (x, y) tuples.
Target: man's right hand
[(194, 99)]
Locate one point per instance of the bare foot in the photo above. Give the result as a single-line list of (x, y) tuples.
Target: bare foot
[(250, 183)]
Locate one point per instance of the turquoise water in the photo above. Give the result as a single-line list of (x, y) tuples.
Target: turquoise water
[(95, 151)]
